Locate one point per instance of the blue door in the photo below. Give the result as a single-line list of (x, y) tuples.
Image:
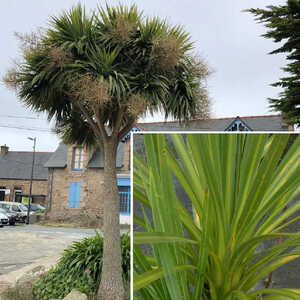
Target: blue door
[(74, 194)]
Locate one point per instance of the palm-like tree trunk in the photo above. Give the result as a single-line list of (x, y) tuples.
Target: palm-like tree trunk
[(111, 286)]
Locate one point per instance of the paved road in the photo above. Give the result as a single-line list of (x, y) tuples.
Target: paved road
[(22, 245)]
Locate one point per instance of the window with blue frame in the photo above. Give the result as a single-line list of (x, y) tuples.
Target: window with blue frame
[(238, 125), (77, 159), (74, 194), (124, 195)]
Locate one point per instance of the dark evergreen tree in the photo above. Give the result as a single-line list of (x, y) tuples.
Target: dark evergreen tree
[(283, 23)]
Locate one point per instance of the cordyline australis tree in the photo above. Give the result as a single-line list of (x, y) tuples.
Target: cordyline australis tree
[(95, 75), (283, 23)]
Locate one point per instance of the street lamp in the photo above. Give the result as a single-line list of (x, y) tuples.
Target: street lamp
[(31, 177)]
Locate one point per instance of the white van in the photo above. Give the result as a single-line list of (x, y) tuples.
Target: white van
[(3, 219), (16, 207)]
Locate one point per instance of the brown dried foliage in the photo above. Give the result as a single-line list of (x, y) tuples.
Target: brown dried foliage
[(29, 41), (137, 105), (166, 53), (91, 89), (30, 44), (121, 31), (10, 79), (203, 104), (201, 71), (199, 68), (58, 57)]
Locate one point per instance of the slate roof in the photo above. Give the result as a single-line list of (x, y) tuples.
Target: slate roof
[(17, 165), (97, 159), (59, 158), (256, 123)]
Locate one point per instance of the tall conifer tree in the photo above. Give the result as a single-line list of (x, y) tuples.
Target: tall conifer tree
[(283, 23)]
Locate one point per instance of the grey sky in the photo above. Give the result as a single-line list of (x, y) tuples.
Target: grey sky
[(228, 39)]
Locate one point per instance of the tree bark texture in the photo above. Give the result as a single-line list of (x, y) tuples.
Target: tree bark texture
[(111, 286)]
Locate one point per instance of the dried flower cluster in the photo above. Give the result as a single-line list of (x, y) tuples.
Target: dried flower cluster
[(29, 41), (121, 31), (203, 104), (91, 89), (10, 79), (58, 57), (199, 68), (137, 105), (166, 53)]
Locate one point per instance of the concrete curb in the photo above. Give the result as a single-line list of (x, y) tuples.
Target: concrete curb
[(12, 277)]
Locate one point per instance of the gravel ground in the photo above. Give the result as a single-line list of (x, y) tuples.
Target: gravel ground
[(22, 245)]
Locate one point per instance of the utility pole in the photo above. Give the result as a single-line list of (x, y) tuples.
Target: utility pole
[(31, 178)]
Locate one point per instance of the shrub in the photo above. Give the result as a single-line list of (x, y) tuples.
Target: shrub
[(80, 268)]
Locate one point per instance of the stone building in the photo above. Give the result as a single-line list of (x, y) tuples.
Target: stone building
[(70, 180), (15, 174), (76, 183)]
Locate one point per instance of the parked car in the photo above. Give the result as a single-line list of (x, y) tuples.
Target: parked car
[(16, 207), (36, 207), (3, 219), (11, 216)]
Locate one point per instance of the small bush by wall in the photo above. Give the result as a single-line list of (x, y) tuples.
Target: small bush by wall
[(80, 268)]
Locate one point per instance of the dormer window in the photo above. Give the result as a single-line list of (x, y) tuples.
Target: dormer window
[(127, 136), (77, 159), (238, 125)]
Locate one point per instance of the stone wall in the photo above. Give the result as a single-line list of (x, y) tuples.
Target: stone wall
[(91, 203), (39, 187)]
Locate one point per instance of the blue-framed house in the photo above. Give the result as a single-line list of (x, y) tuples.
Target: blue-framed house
[(75, 183), (75, 175)]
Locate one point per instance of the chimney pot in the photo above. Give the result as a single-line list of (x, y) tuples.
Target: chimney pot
[(4, 149)]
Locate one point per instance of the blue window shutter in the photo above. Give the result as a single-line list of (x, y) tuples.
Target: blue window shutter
[(74, 194)]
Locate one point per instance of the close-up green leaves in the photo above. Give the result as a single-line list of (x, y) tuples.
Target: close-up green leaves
[(242, 189)]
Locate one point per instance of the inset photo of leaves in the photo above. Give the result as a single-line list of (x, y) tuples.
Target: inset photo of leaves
[(216, 216)]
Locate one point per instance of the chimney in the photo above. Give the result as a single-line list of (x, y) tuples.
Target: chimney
[(4, 149)]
